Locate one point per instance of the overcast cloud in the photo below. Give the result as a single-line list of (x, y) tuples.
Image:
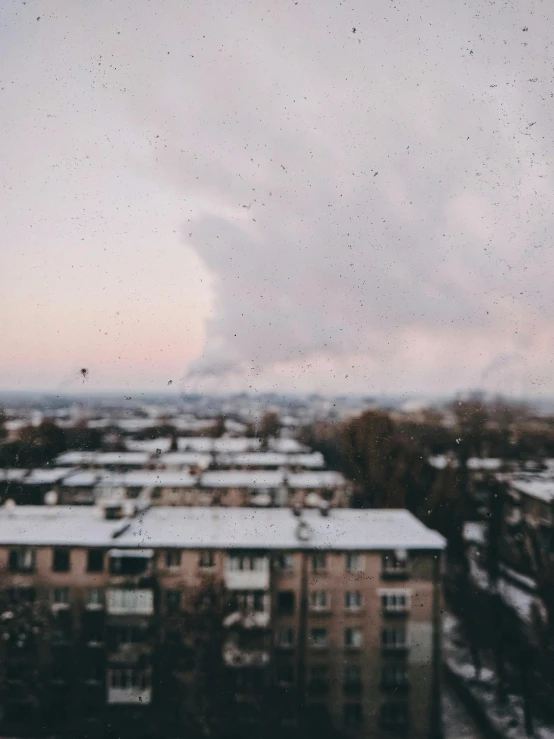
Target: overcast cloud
[(361, 193)]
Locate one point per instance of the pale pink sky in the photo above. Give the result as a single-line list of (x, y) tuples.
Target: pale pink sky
[(256, 196)]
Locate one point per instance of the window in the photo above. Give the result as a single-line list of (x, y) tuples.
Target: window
[(95, 597), (395, 601), (249, 602), (352, 714), (352, 679), (319, 600), (394, 677), (129, 678), (353, 600), (129, 565), (318, 638), (60, 596), (319, 679), (353, 638), (130, 601), (60, 560), (393, 638), (93, 627), (206, 559), (172, 600), (172, 559), (395, 564), (285, 674), (394, 714), (285, 637), (354, 562), (246, 563), (285, 562), (285, 601), (61, 629), (95, 560), (22, 560), (319, 562)]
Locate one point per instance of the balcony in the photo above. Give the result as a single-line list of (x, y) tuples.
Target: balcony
[(130, 602), (398, 612), (234, 656), (129, 696), (247, 579), (247, 620), (129, 686), (131, 566), (130, 653), (395, 573)]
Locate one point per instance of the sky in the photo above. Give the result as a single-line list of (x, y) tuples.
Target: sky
[(282, 194)]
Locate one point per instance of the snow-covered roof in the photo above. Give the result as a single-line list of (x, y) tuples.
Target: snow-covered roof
[(148, 445), (242, 479), (81, 479), (484, 463), (123, 458), (47, 476), (218, 528), (76, 458), (253, 459), (323, 479), (288, 446), (440, 461), (539, 488), (311, 460), (275, 528), (181, 459), (193, 424), (12, 475), (158, 478), (223, 444), (56, 525)]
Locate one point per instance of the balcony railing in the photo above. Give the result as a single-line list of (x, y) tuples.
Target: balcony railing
[(132, 695), (234, 656), (247, 579), (126, 602), (247, 620)]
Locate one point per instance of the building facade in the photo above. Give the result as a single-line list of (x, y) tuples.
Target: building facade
[(164, 620)]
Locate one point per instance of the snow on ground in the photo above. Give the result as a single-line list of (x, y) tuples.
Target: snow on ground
[(457, 722), (506, 718)]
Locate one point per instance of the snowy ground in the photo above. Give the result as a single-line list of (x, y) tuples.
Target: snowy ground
[(457, 722), (508, 719)]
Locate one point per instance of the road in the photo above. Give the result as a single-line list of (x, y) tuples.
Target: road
[(457, 722)]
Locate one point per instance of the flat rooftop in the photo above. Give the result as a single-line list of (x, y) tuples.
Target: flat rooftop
[(216, 528)]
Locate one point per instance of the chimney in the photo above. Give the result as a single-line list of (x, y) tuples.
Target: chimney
[(303, 532)]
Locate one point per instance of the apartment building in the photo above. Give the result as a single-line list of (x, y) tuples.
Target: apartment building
[(527, 520), (180, 487), (140, 617)]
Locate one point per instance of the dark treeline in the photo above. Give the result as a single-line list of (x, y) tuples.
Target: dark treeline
[(38, 446), (386, 456)]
